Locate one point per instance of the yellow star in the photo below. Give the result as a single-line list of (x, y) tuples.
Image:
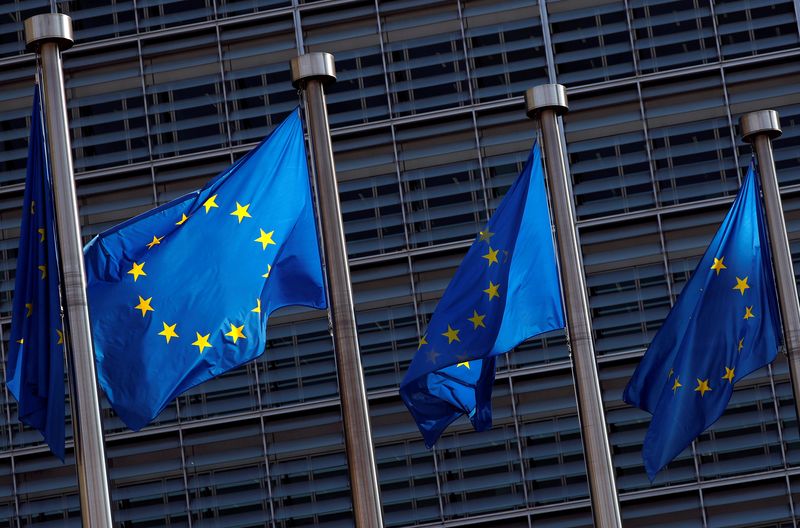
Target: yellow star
[(718, 265), (236, 333), (265, 239), (29, 307), (484, 236), (41, 234), (477, 319), (451, 335), (676, 385), (257, 309), (183, 219), (671, 372), (728, 374), (169, 331), (269, 269), (464, 364), (137, 270), (33, 207), (208, 204), (21, 341), (156, 241), (741, 345), (241, 212), (748, 314), (202, 341), (491, 256), (43, 269), (741, 285), (60, 335), (144, 305), (492, 290), (422, 341), (702, 387)]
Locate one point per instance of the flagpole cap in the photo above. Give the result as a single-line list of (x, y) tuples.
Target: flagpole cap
[(49, 27), (317, 65), (761, 122), (544, 96)]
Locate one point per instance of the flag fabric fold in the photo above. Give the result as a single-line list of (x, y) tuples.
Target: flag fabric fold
[(35, 374), (724, 325), (182, 293), (505, 291)]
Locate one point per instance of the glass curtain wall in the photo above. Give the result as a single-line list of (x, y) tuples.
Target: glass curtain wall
[(429, 132)]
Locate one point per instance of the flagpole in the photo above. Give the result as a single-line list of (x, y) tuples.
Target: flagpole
[(48, 34), (310, 72), (546, 102), (760, 128)]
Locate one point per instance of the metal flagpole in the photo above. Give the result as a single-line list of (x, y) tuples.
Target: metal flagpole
[(49, 34), (310, 72), (547, 102), (760, 128)]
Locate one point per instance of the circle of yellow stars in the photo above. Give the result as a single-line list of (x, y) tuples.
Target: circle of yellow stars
[(145, 306), (703, 385)]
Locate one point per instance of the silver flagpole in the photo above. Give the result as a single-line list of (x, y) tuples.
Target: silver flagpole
[(309, 73), (760, 128), (547, 102), (49, 34)]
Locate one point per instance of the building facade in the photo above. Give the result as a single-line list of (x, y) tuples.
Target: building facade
[(429, 130)]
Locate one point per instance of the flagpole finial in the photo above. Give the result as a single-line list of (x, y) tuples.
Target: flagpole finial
[(546, 96), (316, 65), (49, 27), (761, 122)]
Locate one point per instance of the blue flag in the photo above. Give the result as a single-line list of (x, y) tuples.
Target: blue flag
[(182, 293), (505, 291), (724, 325), (36, 348)]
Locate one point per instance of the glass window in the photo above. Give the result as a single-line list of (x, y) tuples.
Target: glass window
[(350, 32), (751, 27), (480, 472), (96, 19), (16, 100), (183, 86), (552, 449), (387, 324), (607, 154), (769, 86), (255, 56), (424, 55), (591, 41), (441, 180), (160, 14), (369, 192), (106, 107), (628, 292), (690, 139), (505, 47), (670, 34)]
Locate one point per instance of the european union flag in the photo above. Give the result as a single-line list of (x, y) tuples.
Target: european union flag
[(36, 348), (505, 291), (724, 325), (182, 293)]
